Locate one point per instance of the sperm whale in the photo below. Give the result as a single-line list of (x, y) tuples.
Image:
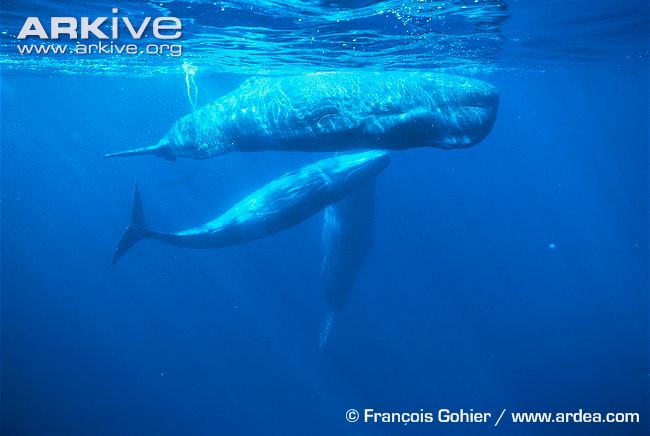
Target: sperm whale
[(335, 112), (276, 206)]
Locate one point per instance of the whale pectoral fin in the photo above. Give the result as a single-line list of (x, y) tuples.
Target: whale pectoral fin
[(325, 328)]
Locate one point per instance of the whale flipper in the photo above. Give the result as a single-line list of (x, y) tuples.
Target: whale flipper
[(347, 238), (325, 328), (135, 231)]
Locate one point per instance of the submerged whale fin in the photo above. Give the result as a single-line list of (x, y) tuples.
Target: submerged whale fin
[(325, 328), (137, 229), (161, 150)]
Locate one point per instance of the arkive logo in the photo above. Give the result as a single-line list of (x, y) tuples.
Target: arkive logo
[(102, 29), (171, 26)]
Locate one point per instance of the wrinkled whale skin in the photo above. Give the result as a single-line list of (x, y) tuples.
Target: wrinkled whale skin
[(335, 112)]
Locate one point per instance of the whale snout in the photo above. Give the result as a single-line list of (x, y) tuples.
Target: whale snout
[(370, 161), (487, 98), (487, 103), (478, 103), (376, 160), (363, 166)]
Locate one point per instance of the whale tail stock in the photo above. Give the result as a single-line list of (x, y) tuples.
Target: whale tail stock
[(137, 229)]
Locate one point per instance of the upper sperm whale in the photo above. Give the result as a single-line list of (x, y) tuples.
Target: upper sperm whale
[(335, 112)]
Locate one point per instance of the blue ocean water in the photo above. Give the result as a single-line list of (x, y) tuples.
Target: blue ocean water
[(513, 274)]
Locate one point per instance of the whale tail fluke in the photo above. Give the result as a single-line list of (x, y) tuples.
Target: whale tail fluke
[(161, 150), (137, 229), (325, 328)]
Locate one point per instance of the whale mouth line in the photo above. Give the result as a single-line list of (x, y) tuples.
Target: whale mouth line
[(471, 106)]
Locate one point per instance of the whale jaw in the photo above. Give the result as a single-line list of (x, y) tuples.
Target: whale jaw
[(162, 149)]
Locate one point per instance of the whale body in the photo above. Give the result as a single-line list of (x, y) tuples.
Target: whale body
[(347, 238), (276, 206), (335, 112)]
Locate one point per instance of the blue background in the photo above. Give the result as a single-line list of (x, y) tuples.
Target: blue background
[(462, 302)]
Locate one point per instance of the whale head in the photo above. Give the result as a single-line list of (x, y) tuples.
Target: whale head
[(479, 102), (355, 169), (466, 109)]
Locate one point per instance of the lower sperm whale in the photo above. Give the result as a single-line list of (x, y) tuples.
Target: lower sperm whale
[(335, 112), (276, 206), (347, 238)]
